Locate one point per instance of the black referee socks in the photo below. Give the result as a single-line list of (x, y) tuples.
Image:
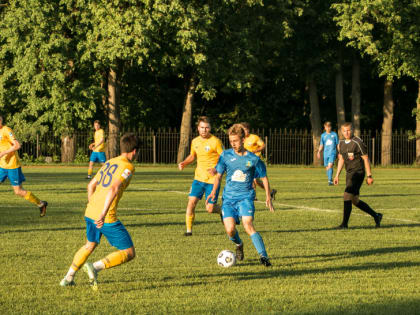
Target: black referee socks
[(365, 207), (347, 212)]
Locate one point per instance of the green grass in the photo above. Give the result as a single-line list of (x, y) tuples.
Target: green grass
[(316, 269)]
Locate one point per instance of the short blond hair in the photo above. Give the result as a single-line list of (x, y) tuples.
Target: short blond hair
[(237, 130), (203, 119), (347, 124)]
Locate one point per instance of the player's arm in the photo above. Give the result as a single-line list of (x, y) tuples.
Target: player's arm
[(13, 148), (91, 188), (110, 196), (216, 184), (268, 201), (99, 143), (190, 158), (339, 168), (369, 179)]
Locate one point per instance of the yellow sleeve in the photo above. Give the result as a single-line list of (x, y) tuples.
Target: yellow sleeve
[(219, 146), (192, 152), (260, 143), (10, 135), (126, 173)]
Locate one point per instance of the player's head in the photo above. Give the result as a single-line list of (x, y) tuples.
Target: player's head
[(347, 130), (236, 137), (129, 144), (327, 126), (97, 124), (246, 127), (203, 126)]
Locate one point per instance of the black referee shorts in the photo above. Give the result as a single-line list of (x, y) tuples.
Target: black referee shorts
[(353, 182)]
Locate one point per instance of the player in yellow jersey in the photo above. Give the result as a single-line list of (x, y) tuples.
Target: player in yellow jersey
[(104, 192), (98, 148), (254, 144), (207, 149), (10, 167)]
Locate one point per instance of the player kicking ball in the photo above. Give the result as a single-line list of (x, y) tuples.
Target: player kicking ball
[(104, 192), (241, 167), (10, 167), (353, 154), (328, 144), (207, 149)]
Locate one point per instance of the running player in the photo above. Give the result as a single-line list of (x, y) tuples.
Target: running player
[(104, 192), (241, 166), (10, 167), (98, 148), (254, 144), (353, 154), (328, 143), (207, 149)]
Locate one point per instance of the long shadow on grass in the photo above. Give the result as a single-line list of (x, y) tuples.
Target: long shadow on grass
[(267, 274), (44, 230), (340, 196), (391, 226)]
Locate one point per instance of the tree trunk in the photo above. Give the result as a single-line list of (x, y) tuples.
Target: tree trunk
[(184, 139), (68, 149), (315, 117), (113, 113), (418, 127), (339, 94), (387, 124), (355, 96)]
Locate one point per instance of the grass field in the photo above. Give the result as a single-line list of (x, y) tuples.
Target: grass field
[(316, 269)]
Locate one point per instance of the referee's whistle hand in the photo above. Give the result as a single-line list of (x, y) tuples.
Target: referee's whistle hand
[(369, 181)]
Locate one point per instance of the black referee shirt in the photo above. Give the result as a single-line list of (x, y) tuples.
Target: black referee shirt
[(352, 151)]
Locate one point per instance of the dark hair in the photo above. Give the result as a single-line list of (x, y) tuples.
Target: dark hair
[(246, 125), (237, 129), (327, 123), (204, 119), (129, 142)]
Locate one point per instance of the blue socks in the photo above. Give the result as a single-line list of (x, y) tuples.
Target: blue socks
[(236, 239), (330, 174), (259, 244)]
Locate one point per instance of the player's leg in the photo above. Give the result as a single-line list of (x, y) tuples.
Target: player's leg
[(90, 169), (230, 218), (330, 170), (363, 205), (212, 206), (16, 178), (196, 193)]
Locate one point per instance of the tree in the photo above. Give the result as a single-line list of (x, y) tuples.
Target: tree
[(355, 95)]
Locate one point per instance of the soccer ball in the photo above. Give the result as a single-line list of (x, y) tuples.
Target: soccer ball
[(226, 259)]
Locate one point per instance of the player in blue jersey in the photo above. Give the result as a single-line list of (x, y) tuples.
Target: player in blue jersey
[(241, 167), (328, 143)]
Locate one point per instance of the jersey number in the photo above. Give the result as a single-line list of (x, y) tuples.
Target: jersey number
[(106, 174)]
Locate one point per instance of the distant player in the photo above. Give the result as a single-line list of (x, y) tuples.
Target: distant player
[(98, 148), (328, 143), (254, 144), (207, 149), (104, 192), (353, 154), (10, 167), (241, 166)]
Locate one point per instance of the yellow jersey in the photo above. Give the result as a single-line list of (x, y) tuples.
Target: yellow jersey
[(99, 135), (207, 152), (7, 138), (253, 143), (117, 168)]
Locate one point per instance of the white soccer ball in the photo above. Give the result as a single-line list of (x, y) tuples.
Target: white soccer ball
[(226, 258)]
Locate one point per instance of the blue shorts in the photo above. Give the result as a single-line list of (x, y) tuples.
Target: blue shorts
[(98, 157), (198, 189), (329, 159), (115, 233), (15, 176), (238, 208)]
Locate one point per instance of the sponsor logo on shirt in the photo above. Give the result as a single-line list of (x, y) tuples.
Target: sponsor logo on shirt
[(207, 148), (329, 142), (126, 174), (239, 176), (351, 156)]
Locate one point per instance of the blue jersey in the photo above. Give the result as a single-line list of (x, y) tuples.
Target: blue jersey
[(330, 142), (240, 173)]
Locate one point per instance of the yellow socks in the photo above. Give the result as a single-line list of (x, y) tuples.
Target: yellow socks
[(189, 220), (80, 258), (32, 198), (115, 259), (90, 171)]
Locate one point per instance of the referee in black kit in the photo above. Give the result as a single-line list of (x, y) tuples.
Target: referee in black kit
[(353, 154)]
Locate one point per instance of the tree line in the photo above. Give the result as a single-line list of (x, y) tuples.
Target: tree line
[(144, 63)]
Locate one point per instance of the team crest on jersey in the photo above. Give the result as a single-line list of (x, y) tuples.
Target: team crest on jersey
[(207, 148), (248, 164), (239, 176), (126, 174)]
